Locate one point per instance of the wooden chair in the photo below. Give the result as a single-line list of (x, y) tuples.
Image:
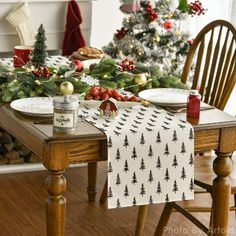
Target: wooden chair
[(214, 49), (213, 56)]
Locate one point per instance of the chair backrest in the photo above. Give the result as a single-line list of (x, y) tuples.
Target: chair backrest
[(214, 50)]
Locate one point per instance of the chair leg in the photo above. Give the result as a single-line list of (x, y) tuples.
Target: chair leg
[(142, 215), (103, 197), (92, 178), (164, 219), (235, 203)]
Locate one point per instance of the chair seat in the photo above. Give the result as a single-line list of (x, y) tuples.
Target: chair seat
[(204, 174)]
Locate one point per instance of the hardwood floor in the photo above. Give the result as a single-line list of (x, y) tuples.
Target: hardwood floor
[(22, 209)]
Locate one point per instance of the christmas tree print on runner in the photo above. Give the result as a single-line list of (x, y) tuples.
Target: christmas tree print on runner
[(191, 185), (183, 149), (158, 188), (167, 198), (150, 178), (183, 197), (183, 174), (150, 152), (118, 203), (142, 165), (142, 140), (126, 191), (118, 181), (158, 139), (118, 154), (134, 201), (126, 142), (175, 163), (158, 165), (126, 167), (174, 139), (134, 179), (175, 187), (191, 160), (150, 200), (167, 176), (110, 169), (166, 153), (142, 191), (110, 194), (109, 144), (134, 154), (191, 135)]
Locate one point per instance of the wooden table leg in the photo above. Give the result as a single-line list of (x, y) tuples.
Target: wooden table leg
[(92, 179), (221, 194), (56, 203), (141, 219)]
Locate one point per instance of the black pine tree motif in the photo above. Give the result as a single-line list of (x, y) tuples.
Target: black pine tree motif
[(126, 167), (191, 161), (183, 149), (134, 179), (183, 197), (191, 136), (167, 198), (118, 203), (142, 140), (134, 154), (110, 169), (150, 200), (166, 150), (142, 165), (175, 187), (167, 177), (191, 186), (134, 201), (150, 179), (118, 154), (158, 188), (158, 163), (175, 163), (142, 192), (126, 143), (183, 174), (150, 152), (158, 139), (109, 194), (118, 181), (174, 139), (126, 192)]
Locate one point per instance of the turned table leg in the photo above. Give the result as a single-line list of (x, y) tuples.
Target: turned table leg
[(92, 179), (221, 194), (56, 203)]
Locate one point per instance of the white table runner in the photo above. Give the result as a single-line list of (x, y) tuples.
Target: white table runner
[(150, 156)]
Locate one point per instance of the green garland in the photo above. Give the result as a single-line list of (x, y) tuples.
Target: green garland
[(24, 82)]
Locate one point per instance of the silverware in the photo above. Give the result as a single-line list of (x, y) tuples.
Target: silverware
[(184, 109)]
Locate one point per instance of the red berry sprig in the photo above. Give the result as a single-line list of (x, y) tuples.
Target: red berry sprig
[(121, 33), (127, 65), (42, 72), (196, 8), (150, 12)]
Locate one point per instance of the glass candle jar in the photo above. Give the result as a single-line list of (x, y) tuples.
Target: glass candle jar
[(65, 113)]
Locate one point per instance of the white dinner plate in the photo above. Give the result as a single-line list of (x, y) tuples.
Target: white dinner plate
[(35, 106), (87, 63), (166, 96)]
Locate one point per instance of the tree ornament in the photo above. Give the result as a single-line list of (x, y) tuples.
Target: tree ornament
[(41, 72), (168, 25), (66, 88), (173, 4), (39, 53), (78, 65), (140, 79), (150, 12), (196, 8), (127, 65), (156, 39), (121, 33)]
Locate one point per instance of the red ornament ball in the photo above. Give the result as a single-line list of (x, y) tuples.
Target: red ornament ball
[(168, 25), (79, 65)]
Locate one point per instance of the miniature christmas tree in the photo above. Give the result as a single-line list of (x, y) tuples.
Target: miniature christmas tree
[(134, 154), (39, 53), (134, 179), (151, 33)]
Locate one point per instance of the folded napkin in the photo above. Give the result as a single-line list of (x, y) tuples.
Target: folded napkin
[(73, 38)]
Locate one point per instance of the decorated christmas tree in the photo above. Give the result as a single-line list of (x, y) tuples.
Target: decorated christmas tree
[(151, 33)]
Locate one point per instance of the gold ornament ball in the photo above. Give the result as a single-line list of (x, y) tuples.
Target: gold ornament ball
[(140, 79), (66, 88)]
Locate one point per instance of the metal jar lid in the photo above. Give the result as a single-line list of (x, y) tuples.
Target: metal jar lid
[(66, 102)]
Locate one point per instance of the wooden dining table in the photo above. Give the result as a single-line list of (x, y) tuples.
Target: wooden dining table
[(215, 130)]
